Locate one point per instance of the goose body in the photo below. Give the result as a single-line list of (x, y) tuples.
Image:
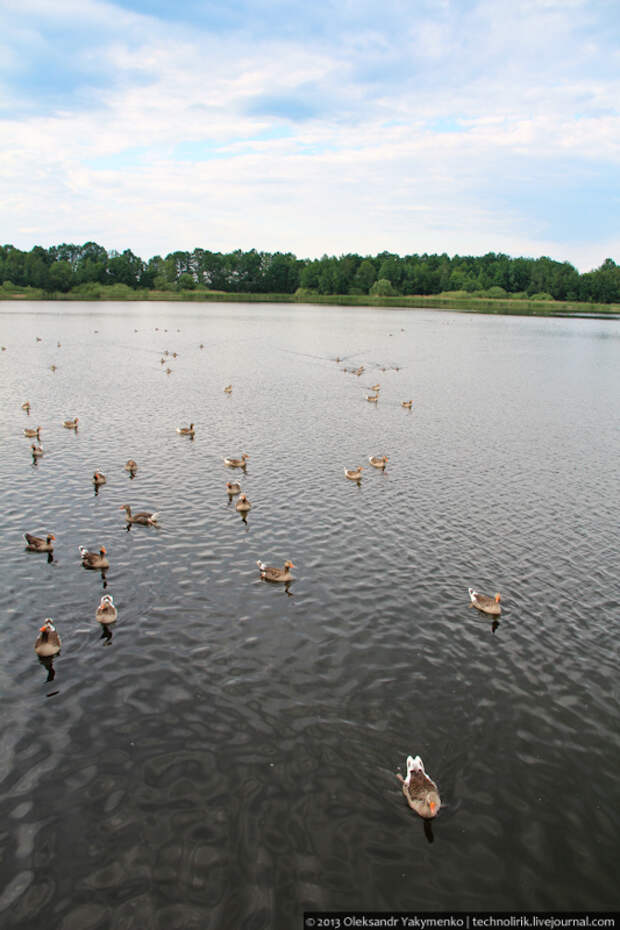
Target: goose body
[(144, 517), (36, 450), (407, 403), (378, 461), (94, 559), (372, 398), (32, 433), (26, 406), (420, 791), (375, 387), (236, 463), (48, 641), (39, 543), (243, 504), (186, 430), (228, 389), (488, 605), (233, 487), (70, 424), (130, 465), (106, 612), (354, 474), (98, 478), (269, 573)]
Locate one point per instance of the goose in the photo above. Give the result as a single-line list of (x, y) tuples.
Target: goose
[(52, 368), (421, 791), (26, 406), (39, 543), (378, 461), (233, 487), (36, 450), (98, 478), (269, 573), (70, 424), (236, 463), (372, 398), (32, 433), (186, 430), (228, 389), (106, 612), (354, 474), (47, 642), (488, 605), (407, 403), (243, 504), (94, 559), (144, 517), (131, 466)]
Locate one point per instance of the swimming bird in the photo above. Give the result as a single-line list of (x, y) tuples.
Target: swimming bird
[(186, 430), (70, 424), (354, 474), (47, 642), (375, 387), (378, 461), (269, 573), (144, 517), (233, 487), (94, 559), (407, 403), (98, 478), (228, 389), (39, 543), (243, 504), (36, 450), (237, 463), (106, 612), (420, 791), (32, 433), (488, 605), (26, 406), (372, 398), (131, 466)]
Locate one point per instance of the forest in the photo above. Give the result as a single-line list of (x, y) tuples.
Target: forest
[(84, 270)]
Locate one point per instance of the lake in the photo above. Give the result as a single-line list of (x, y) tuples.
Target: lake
[(226, 756)]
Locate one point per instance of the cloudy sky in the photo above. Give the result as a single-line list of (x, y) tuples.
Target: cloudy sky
[(334, 126)]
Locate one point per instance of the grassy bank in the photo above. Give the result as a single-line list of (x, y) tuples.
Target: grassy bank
[(454, 301)]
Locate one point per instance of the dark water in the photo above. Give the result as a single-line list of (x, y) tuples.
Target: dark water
[(227, 758)]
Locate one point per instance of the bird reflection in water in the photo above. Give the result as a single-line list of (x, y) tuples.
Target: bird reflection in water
[(48, 663), (106, 633)]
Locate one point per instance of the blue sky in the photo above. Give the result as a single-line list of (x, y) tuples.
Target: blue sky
[(462, 126)]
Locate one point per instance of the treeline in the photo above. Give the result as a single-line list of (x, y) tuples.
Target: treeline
[(86, 268)]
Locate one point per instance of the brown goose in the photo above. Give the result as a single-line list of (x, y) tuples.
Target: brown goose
[(106, 612), (407, 403), (144, 518), (243, 504), (269, 573), (233, 487), (354, 474), (98, 479), (130, 465), (372, 398), (378, 461), (36, 451), (186, 430), (70, 424), (47, 642), (488, 605), (94, 559), (39, 543), (32, 433), (26, 406), (228, 389), (421, 791), (236, 463)]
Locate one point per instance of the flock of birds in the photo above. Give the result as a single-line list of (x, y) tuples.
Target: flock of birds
[(419, 789)]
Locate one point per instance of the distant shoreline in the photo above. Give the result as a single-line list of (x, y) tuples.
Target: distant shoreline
[(501, 306)]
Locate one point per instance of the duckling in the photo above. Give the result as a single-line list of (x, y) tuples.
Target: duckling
[(488, 605), (228, 389), (98, 479), (32, 433), (186, 430), (354, 474), (36, 451), (243, 504), (421, 791), (26, 406), (233, 487), (269, 573), (144, 518), (106, 612), (236, 463), (70, 424), (39, 543), (94, 559), (47, 642), (407, 403), (131, 465), (378, 461)]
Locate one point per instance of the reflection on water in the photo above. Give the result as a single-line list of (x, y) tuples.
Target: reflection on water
[(231, 760)]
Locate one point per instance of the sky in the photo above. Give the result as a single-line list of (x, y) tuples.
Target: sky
[(458, 126)]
